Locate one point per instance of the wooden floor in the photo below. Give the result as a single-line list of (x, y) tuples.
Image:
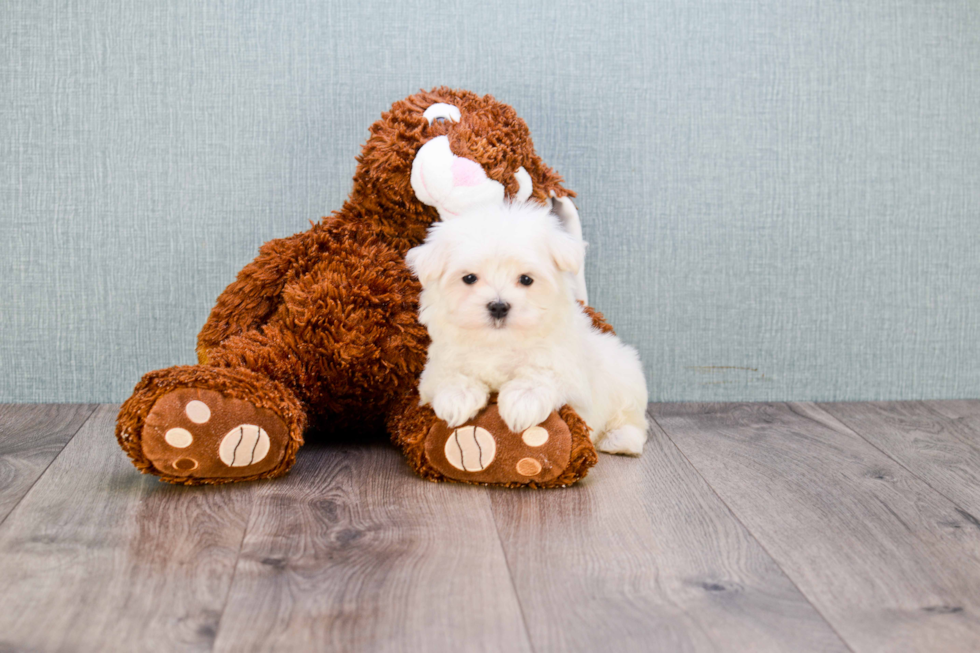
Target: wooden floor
[(744, 527)]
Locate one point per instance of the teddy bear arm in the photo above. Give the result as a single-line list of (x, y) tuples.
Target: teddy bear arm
[(254, 296)]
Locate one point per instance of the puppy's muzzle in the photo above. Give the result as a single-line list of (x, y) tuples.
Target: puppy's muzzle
[(498, 309)]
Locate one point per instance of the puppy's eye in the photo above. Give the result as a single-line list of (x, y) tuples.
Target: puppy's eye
[(526, 280), (469, 279)]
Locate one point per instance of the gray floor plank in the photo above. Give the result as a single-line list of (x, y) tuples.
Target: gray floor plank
[(943, 450), (887, 560), (353, 552), (642, 556), (967, 410), (31, 435), (98, 557)]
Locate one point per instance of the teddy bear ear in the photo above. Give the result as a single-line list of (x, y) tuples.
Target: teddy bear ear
[(428, 261)]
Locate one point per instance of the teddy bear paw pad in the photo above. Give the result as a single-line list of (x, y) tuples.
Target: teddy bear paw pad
[(470, 449), (199, 433), (484, 450)]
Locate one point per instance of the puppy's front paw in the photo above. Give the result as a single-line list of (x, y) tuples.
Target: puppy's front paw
[(458, 404), (523, 405), (627, 440)]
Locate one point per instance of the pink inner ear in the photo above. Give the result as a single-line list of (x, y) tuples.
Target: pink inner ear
[(467, 172)]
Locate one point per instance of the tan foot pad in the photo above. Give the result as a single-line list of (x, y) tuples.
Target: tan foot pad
[(484, 450), (203, 434)]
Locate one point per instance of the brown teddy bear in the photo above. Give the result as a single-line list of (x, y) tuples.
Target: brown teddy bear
[(319, 334)]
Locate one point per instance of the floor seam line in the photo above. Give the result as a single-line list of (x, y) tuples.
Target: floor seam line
[(749, 531), (234, 572), (85, 421), (890, 457), (510, 573)]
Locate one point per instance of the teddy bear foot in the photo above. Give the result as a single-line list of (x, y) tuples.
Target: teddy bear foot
[(233, 429), (484, 450), (194, 433)]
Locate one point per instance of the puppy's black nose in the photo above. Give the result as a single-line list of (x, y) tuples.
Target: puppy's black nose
[(498, 309)]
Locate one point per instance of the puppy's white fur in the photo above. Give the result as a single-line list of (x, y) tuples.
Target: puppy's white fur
[(544, 353)]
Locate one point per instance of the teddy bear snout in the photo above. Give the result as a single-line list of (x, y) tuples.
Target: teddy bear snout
[(449, 182)]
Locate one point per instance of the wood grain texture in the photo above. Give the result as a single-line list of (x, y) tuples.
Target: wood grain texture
[(743, 527), (965, 412), (887, 560), (641, 556), (31, 436), (959, 409), (97, 557), (937, 441), (353, 552)]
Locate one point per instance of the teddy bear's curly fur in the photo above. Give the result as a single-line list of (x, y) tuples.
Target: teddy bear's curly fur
[(321, 328)]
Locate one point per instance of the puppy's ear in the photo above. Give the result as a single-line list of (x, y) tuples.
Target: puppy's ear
[(567, 251), (427, 261)]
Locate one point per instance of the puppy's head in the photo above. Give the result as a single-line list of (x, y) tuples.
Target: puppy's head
[(506, 269)]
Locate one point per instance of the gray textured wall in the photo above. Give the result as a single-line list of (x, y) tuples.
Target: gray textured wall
[(782, 196)]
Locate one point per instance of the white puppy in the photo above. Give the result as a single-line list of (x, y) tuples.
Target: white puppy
[(498, 302)]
